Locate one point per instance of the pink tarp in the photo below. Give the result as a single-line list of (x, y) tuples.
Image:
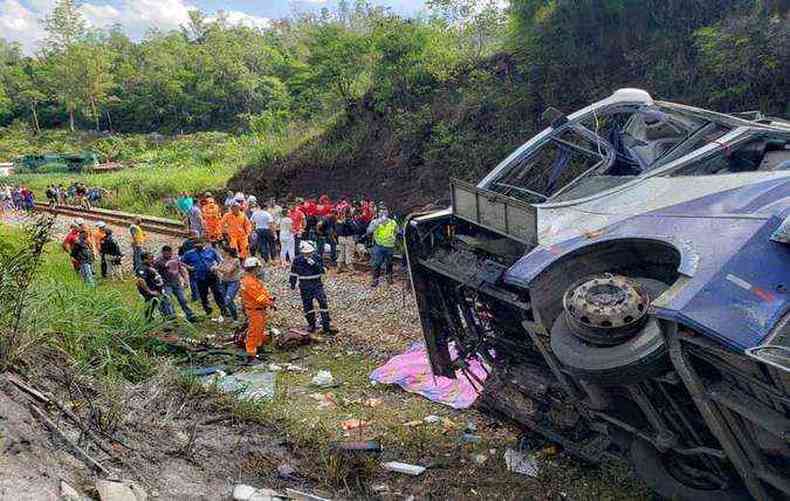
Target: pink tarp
[(412, 372)]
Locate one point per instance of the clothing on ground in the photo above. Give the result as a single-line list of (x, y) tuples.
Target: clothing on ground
[(412, 372)]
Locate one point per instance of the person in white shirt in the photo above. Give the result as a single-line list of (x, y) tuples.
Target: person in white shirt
[(287, 240), (263, 221)]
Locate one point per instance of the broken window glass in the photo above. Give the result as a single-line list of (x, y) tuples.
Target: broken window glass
[(759, 154)]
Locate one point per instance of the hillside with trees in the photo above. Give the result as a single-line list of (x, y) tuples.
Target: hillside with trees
[(394, 106)]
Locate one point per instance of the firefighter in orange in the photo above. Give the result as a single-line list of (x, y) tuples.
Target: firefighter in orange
[(237, 228), (212, 218), (256, 300)]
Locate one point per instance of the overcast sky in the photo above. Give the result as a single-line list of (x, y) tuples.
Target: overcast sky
[(20, 20)]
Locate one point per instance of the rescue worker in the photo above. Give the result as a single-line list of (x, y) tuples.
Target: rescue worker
[(237, 228), (256, 300), (384, 231), (212, 219), (138, 241), (306, 271)]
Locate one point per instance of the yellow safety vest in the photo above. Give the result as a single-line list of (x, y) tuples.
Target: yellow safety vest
[(385, 233), (138, 235)]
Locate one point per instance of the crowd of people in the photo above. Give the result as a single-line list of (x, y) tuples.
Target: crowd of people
[(229, 246), (19, 198), (76, 194)]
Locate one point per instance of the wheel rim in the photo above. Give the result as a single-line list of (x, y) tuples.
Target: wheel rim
[(606, 309)]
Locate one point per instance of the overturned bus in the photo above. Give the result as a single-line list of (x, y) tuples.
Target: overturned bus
[(625, 274)]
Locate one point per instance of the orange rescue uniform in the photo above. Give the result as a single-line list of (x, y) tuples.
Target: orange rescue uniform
[(238, 229), (255, 299), (212, 219)]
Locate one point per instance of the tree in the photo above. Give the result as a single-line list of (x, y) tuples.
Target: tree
[(64, 25), (478, 27), (340, 60)]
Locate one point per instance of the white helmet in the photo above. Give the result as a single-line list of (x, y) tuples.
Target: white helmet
[(252, 199), (79, 221), (306, 247), (101, 224), (251, 262)]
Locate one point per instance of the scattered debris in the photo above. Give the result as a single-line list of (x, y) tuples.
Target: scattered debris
[(468, 438), (479, 458), (303, 496), (69, 493), (325, 400), (353, 424), (287, 472), (274, 367), (432, 419), (366, 446), (416, 422), (380, 488), (408, 469), (522, 463), (295, 368), (250, 385), (324, 379), (373, 402), (120, 491), (244, 492), (471, 427)]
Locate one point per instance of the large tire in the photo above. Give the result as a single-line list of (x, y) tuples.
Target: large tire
[(638, 358), (651, 467)]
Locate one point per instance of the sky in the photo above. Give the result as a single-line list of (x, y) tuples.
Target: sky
[(20, 20)]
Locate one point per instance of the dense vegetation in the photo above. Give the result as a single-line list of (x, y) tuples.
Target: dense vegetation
[(358, 89)]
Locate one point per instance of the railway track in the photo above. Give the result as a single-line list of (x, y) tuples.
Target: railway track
[(151, 224)]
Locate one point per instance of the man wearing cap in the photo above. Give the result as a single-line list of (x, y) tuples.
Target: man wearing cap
[(97, 237), (306, 271), (384, 231), (237, 228), (256, 300)]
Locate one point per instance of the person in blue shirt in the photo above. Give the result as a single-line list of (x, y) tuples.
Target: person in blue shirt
[(202, 261)]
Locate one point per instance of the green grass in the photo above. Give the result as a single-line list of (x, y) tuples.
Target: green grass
[(162, 168)]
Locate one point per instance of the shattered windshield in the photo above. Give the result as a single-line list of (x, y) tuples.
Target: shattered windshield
[(604, 149)]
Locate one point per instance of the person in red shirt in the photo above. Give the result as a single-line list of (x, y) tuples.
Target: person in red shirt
[(310, 208), (368, 210), (324, 207), (299, 222), (71, 239)]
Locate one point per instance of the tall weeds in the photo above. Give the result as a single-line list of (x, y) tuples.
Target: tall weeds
[(19, 264)]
